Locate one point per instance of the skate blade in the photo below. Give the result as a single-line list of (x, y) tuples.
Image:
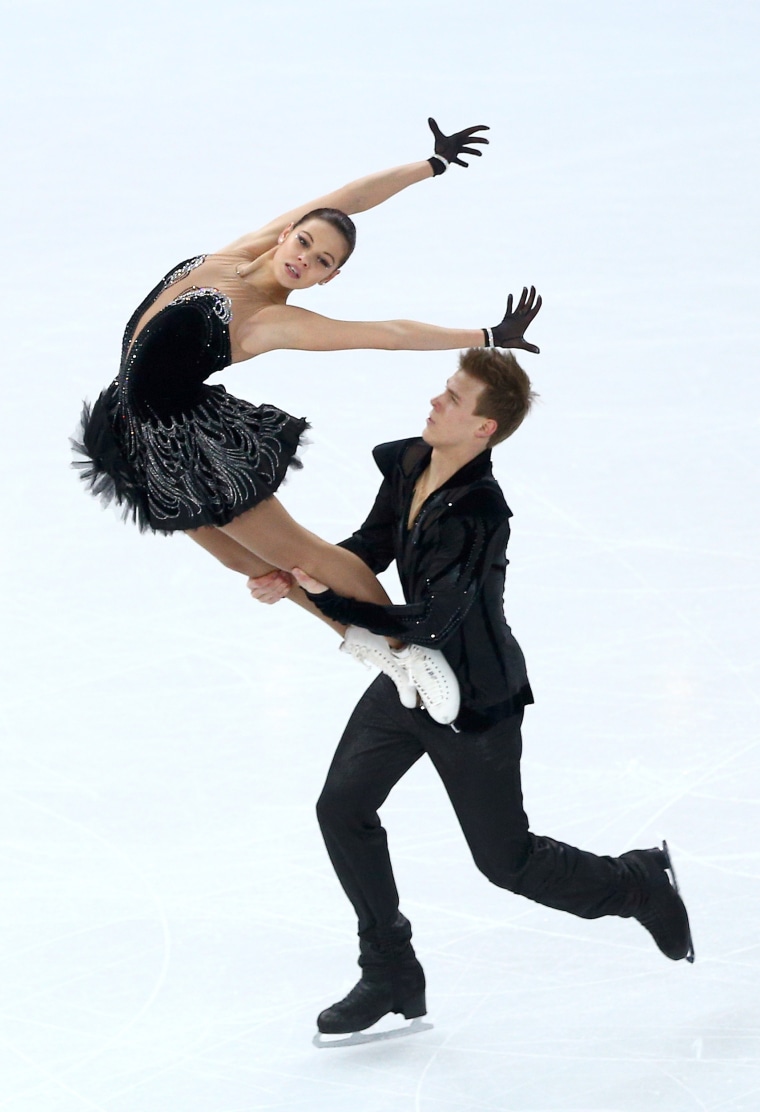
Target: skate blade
[(674, 881), (416, 1027)]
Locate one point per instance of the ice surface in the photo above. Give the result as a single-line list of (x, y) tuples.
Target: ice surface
[(170, 923)]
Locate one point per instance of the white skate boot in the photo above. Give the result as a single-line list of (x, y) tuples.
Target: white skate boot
[(434, 679), (371, 649)]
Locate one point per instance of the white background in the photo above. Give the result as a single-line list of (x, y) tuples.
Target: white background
[(170, 922)]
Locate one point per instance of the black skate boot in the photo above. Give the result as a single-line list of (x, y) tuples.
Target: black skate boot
[(661, 910), (373, 997), (392, 980)]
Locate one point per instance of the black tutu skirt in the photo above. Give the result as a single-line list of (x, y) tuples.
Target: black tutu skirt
[(204, 466)]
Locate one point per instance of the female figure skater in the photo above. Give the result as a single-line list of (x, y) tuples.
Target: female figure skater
[(179, 455)]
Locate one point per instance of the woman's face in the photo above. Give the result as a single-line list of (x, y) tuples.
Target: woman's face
[(307, 254)]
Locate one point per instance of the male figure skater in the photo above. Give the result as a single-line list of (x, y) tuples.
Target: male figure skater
[(442, 516)]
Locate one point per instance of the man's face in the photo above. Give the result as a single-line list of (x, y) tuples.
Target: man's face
[(452, 422)]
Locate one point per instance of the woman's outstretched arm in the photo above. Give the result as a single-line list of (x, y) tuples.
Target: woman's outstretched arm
[(289, 327), (367, 192)]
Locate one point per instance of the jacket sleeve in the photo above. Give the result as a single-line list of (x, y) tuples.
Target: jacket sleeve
[(461, 548), (373, 542)]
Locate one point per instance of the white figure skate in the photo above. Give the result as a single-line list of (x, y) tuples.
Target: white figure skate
[(434, 679), (414, 670), (371, 649)]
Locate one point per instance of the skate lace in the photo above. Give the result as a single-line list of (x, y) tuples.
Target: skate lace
[(366, 654), (423, 668)]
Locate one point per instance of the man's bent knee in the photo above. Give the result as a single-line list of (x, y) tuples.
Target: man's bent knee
[(332, 808), (506, 868), (341, 808)]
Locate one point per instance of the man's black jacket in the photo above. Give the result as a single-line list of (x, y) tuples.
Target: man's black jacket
[(451, 565)]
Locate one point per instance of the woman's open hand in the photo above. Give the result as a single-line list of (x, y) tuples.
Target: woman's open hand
[(509, 333), (449, 148)]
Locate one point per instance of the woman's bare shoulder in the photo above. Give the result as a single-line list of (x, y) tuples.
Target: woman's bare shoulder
[(250, 246)]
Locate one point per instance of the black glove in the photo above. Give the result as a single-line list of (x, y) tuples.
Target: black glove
[(448, 148), (509, 333)]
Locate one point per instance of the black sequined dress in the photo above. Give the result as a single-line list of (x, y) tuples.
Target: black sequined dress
[(174, 452)]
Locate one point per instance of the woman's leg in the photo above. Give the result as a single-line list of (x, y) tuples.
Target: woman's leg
[(229, 552), (236, 557), (269, 532), (273, 539)]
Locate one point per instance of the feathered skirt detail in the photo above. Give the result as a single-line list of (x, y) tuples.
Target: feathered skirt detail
[(205, 466)]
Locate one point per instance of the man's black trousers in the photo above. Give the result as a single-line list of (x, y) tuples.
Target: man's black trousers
[(481, 773)]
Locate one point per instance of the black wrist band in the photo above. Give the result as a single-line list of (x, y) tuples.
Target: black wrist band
[(439, 164), (488, 337), (315, 596)]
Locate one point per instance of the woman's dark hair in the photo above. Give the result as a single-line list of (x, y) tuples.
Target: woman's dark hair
[(338, 220)]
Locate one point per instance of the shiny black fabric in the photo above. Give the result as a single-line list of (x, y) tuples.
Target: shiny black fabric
[(481, 774), (175, 453), (451, 565)]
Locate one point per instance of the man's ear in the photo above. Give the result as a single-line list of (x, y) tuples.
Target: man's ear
[(330, 277), (286, 232), (487, 429)]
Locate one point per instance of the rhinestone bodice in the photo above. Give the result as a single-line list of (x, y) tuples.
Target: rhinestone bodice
[(163, 366), (175, 452)]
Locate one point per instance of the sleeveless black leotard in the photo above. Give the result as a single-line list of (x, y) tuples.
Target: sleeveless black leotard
[(173, 452)]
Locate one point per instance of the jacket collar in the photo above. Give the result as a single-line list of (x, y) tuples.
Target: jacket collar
[(478, 468)]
